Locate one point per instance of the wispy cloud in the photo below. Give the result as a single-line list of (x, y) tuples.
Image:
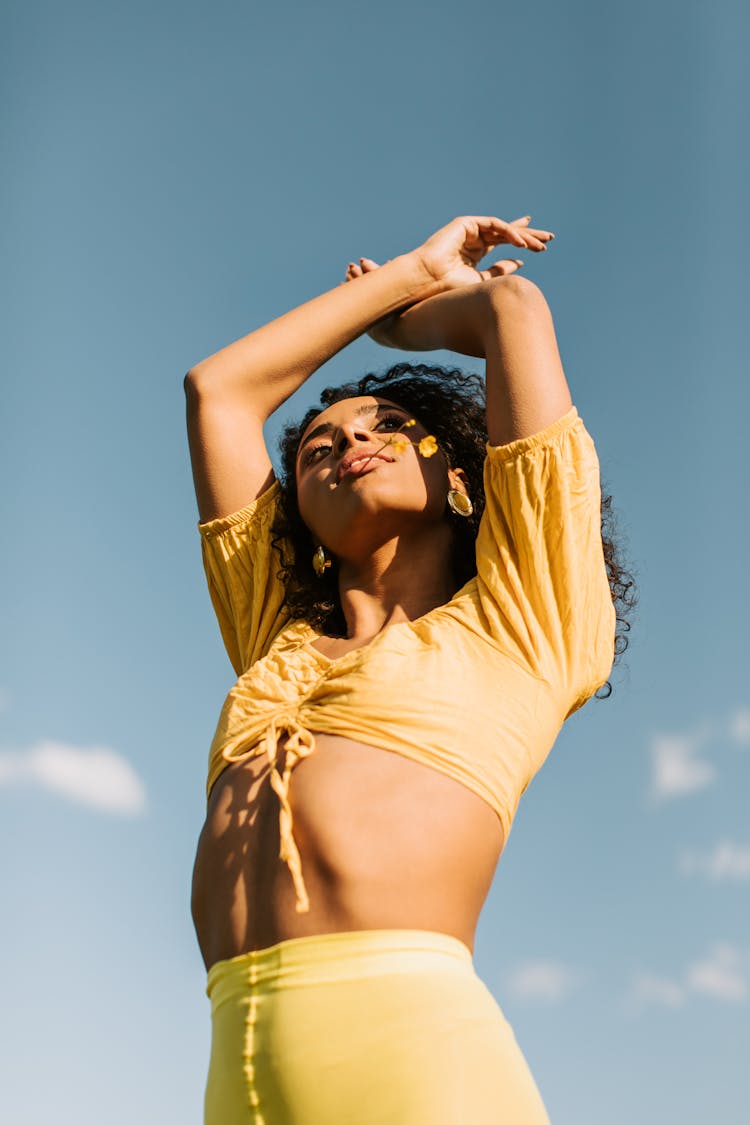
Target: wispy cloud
[(677, 768), (678, 761), (650, 989), (95, 776), (739, 726), (726, 861), (548, 981), (721, 974)]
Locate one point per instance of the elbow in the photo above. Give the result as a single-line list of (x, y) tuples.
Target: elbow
[(209, 377), (516, 300), (197, 390), (190, 386), (195, 383), (515, 289)]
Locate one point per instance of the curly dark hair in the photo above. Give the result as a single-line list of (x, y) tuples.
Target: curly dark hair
[(451, 404)]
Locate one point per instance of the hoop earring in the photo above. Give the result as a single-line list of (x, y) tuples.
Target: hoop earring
[(320, 562), (460, 503)]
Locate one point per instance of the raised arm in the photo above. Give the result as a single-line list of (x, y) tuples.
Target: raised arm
[(232, 393), (502, 317)]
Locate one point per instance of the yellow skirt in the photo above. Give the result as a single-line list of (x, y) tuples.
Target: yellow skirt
[(372, 1027)]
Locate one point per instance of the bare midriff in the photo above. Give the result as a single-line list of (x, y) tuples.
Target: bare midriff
[(385, 843)]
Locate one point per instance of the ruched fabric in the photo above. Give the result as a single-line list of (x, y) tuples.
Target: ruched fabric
[(477, 688), (298, 745)]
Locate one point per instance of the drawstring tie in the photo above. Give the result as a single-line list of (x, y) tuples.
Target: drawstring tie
[(299, 745)]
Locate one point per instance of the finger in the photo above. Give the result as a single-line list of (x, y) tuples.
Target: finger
[(524, 222), (533, 242), (535, 239), (539, 235), (500, 269), (489, 230), (493, 230)]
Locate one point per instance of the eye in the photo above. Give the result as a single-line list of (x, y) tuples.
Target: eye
[(395, 419), (311, 454)]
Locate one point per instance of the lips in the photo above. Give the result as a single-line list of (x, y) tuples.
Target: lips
[(352, 459)]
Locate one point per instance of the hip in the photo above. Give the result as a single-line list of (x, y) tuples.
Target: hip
[(373, 1027)]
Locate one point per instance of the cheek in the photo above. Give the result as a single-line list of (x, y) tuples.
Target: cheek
[(311, 501), (305, 501), (436, 476)]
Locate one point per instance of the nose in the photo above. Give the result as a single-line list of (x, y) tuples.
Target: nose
[(348, 435)]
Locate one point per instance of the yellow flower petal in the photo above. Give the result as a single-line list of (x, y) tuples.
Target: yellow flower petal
[(399, 445), (428, 446), (411, 422)]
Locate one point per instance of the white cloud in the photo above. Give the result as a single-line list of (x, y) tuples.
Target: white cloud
[(739, 726), (550, 981), (726, 861), (650, 989), (720, 975), (677, 769), (95, 776)]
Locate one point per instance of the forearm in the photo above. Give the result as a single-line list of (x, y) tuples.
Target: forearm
[(456, 320), (264, 368)]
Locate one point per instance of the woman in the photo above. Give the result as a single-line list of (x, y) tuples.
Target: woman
[(406, 657)]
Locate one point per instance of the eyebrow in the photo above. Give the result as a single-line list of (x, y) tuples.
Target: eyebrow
[(326, 427)]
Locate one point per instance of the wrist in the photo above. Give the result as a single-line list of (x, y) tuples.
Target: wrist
[(419, 283)]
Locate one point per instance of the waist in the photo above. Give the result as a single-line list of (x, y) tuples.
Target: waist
[(384, 843), (341, 956)]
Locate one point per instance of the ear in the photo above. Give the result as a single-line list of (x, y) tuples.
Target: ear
[(459, 480)]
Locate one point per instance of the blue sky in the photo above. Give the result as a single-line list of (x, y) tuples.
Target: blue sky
[(176, 175)]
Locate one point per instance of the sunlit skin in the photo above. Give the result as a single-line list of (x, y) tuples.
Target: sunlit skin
[(357, 809), (385, 842)]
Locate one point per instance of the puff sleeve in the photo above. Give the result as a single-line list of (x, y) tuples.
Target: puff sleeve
[(242, 567), (541, 575)]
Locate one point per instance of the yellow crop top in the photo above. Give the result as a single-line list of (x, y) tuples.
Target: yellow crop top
[(478, 688)]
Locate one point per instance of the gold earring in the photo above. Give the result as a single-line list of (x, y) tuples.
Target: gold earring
[(320, 562), (460, 503)]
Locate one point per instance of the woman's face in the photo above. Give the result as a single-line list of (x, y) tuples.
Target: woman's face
[(355, 490)]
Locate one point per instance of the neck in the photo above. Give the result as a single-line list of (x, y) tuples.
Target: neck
[(398, 581)]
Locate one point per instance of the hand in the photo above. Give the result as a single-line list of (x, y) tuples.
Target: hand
[(451, 256)]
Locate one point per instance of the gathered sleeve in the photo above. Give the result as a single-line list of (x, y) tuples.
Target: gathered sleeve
[(242, 567), (541, 574)]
